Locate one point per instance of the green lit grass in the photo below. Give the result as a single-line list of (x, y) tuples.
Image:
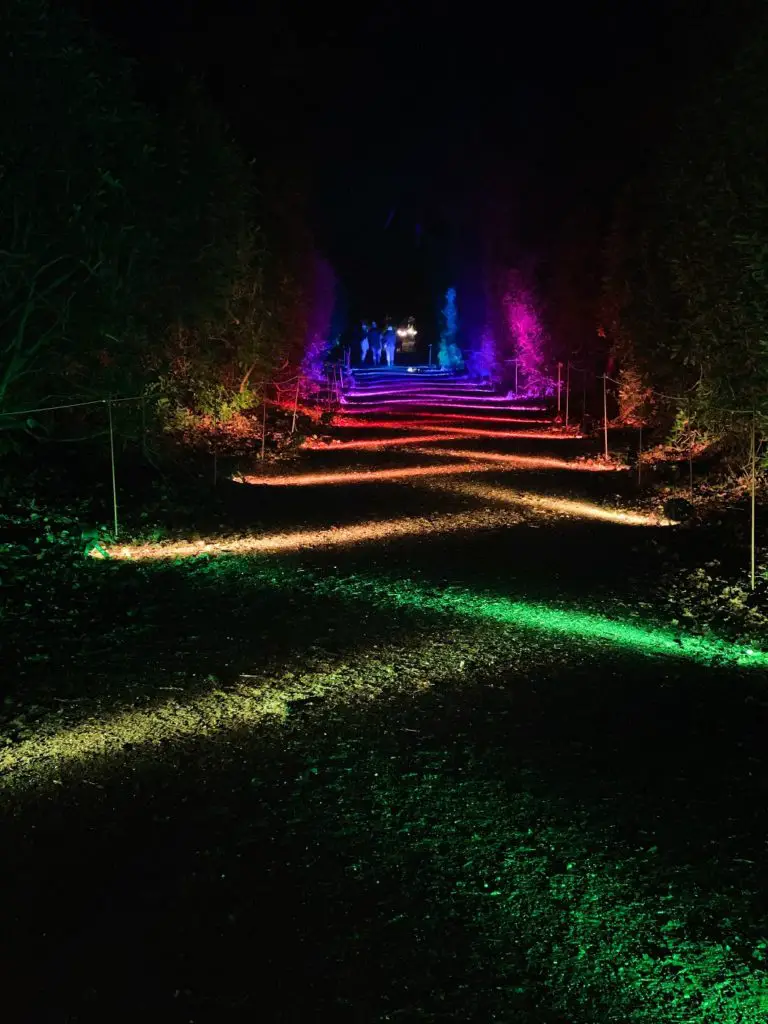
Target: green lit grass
[(606, 932), (608, 935), (210, 710)]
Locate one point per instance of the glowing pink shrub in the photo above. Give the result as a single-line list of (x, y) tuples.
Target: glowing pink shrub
[(525, 330)]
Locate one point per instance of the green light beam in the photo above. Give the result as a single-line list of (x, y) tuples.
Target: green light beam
[(589, 626)]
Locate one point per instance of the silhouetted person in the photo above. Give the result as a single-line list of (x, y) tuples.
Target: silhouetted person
[(363, 342), (390, 340), (374, 337)]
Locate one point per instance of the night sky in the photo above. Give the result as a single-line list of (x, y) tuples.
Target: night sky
[(411, 126)]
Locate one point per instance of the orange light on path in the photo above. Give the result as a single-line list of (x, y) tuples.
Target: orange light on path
[(381, 442), (367, 476), (377, 531), (521, 461), (562, 506)]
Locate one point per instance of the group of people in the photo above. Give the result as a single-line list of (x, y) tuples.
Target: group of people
[(378, 343)]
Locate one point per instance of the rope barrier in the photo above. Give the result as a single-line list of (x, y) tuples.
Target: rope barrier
[(657, 393), (72, 405), (53, 408)]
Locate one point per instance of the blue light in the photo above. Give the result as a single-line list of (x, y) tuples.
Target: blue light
[(448, 354)]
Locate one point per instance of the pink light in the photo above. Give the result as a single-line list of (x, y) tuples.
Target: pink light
[(367, 476), (477, 419), (420, 385), (523, 323), (349, 420), (352, 397), (417, 395), (521, 461), (442, 433)]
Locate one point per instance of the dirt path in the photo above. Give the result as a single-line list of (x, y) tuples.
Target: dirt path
[(400, 743)]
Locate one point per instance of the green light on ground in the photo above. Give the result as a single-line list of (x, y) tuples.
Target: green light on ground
[(590, 627), (609, 933), (612, 933), (580, 625), (214, 711)]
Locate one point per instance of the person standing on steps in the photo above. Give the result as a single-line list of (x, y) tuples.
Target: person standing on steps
[(363, 342), (374, 337), (390, 340)]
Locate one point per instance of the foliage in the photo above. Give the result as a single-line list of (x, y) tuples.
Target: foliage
[(684, 299), (636, 399), (209, 239), (483, 362), (688, 434), (135, 256), (321, 316), (524, 326), (707, 598), (186, 397), (79, 249)]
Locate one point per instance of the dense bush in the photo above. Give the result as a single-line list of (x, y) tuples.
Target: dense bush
[(133, 255), (687, 259)]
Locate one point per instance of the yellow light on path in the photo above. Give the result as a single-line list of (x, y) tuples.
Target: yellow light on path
[(520, 461), (563, 506), (368, 476), (42, 760), (378, 531)]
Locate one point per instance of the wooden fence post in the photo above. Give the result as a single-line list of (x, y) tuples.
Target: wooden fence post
[(264, 422), (112, 461), (753, 509)]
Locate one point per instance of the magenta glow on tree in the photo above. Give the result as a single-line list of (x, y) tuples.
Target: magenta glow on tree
[(525, 330)]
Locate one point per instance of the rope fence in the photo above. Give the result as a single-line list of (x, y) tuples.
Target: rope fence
[(293, 388), (326, 388), (109, 403), (748, 414)]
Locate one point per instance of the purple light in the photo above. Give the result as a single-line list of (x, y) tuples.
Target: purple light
[(347, 418), (417, 393), (459, 401), (409, 383), (482, 362), (355, 408), (320, 317)]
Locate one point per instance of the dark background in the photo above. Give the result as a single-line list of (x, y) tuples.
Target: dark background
[(418, 134)]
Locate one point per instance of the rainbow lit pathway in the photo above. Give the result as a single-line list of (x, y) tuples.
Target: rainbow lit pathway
[(397, 740)]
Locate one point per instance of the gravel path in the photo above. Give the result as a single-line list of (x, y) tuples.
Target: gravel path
[(396, 743)]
